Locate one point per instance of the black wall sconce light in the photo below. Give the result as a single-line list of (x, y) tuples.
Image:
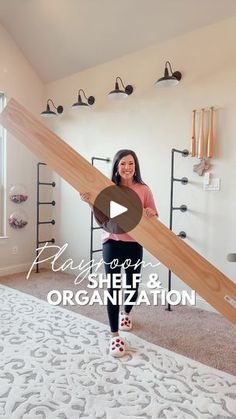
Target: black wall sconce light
[(48, 112), (80, 104), (170, 78), (119, 93)]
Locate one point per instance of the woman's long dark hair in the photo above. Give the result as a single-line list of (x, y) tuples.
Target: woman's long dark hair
[(115, 177)]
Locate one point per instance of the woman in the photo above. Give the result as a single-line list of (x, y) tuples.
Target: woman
[(125, 172)]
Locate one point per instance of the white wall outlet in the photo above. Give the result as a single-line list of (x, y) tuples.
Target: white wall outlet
[(213, 185), (15, 250)]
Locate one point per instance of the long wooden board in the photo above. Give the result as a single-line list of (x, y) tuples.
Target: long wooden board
[(169, 249)]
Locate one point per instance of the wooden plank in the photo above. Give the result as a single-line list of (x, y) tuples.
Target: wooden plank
[(169, 249)]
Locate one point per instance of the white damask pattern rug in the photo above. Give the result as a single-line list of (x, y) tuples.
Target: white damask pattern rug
[(53, 365)]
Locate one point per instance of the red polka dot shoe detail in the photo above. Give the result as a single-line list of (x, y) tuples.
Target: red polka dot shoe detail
[(117, 347), (125, 322)]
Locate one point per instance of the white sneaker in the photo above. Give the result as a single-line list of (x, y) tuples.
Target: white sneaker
[(125, 322), (117, 347)]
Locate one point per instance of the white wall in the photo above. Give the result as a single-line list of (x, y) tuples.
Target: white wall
[(151, 122), (18, 80)]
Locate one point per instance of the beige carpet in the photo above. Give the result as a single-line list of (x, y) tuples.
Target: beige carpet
[(198, 334)]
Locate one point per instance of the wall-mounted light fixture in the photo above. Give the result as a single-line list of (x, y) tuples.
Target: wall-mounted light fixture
[(80, 104), (169, 79), (119, 93), (48, 112)]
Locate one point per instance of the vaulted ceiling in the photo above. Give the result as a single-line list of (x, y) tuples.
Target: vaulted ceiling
[(62, 37)]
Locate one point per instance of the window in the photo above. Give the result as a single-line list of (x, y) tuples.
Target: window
[(2, 174)]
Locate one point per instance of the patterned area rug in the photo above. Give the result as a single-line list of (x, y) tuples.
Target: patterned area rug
[(54, 365)]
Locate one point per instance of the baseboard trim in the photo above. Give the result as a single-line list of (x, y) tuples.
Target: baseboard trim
[(15, 269), (25, 267)]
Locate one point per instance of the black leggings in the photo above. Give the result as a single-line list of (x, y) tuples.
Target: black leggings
[(121, 251)]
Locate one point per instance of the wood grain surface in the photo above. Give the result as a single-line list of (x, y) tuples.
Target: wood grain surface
[(210, 138), (201, 140), (193, 139), (162, 243)]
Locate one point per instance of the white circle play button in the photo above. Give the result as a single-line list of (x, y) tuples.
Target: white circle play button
[(118, 209)]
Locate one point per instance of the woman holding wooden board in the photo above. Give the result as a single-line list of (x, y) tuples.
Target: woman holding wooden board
[(121, 247)]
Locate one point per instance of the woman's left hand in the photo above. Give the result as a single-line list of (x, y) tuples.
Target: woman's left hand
[(149, 212)]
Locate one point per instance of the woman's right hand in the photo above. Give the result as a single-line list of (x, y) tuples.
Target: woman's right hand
[(86, 197)]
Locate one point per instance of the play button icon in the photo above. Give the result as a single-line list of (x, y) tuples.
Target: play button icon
[(118, 209)]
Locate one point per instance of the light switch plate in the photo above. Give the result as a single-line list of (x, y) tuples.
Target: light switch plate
[(207, 178), (214, 185)]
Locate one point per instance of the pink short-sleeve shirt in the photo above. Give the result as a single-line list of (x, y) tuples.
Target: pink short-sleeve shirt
[(146, 197)]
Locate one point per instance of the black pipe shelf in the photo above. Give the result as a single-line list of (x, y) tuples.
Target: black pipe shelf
[(39, 203), (182, 208)]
